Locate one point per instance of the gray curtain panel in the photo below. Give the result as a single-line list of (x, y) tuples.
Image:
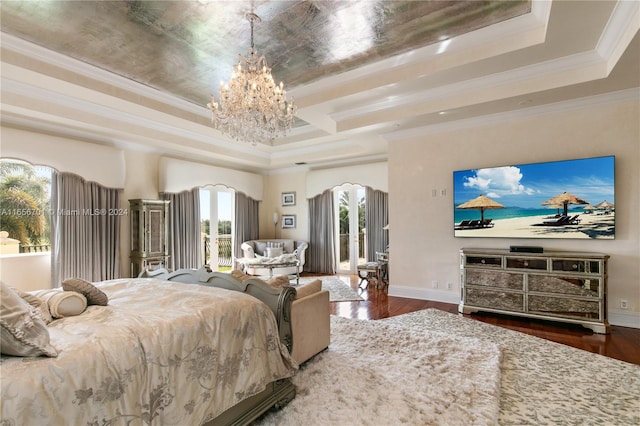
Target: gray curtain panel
[(247, 221), (185, 240), (85, 229), (376, 217), (320, 257)]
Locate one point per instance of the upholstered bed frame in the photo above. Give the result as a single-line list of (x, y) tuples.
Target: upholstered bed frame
[(278, 393)]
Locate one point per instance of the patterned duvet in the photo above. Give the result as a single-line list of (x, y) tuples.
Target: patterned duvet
[(159, 353)]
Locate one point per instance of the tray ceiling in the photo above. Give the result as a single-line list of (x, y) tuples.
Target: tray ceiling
[(138, 74)]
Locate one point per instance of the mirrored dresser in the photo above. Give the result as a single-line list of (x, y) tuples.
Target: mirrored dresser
[(555, 285)]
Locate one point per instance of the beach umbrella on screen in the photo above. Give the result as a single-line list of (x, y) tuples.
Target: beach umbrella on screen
[(564, 200), (605, 205), (555, 206), (481, 203)]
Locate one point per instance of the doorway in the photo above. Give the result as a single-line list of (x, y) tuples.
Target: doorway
[(216, 215), (350, 217)]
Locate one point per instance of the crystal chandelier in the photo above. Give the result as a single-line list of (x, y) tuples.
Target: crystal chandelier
[(252, 107)]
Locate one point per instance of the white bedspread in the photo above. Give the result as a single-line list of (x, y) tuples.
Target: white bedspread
[(159, 353)]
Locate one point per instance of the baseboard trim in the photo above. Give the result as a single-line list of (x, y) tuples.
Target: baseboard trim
[(624, 319), (425, 294), (618, 318)]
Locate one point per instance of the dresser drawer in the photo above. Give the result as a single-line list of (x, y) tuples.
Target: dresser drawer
[(484, 261), (576, 265), (527, 263), (564, 285), (494, 299), (500, 279), (564, 307)]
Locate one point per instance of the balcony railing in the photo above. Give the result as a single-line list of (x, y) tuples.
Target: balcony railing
[(35, 248), (225, 257)]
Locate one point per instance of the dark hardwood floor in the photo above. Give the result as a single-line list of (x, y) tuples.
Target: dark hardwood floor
[(622, 343)]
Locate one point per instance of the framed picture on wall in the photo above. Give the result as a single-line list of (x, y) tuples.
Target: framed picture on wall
[(288, 198), (288, 221)]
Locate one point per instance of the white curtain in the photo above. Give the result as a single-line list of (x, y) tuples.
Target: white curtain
[(185, 241), (320, 257), (85, 229), (247, 221)]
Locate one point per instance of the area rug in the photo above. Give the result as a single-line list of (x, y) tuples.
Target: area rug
[(543, 382), (377, 373), (339, 291)]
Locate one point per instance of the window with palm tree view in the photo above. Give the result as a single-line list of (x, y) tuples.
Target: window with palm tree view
[(25, 209)]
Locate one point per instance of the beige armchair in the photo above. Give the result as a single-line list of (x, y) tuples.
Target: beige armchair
[(310, 321), (310, 317)]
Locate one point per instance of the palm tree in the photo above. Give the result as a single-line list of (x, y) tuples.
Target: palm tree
[(24, 202)]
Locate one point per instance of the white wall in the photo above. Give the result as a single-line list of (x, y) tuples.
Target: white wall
[(421, 238), (275, 185), (422, 245), (26, 272)]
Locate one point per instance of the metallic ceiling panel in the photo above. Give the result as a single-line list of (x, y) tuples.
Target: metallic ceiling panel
[(187, 48)]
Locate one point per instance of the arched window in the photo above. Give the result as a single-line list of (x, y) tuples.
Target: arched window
[(25, 206)]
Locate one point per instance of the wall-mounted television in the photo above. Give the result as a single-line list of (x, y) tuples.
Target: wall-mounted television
[(559, 199)]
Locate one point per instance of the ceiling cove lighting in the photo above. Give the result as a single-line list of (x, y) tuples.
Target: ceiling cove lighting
[(252, 108)]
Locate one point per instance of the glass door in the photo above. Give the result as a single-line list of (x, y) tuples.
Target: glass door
[(350, 241), (216, 215)]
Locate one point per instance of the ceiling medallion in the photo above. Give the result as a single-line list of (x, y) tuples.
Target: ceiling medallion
[(252, 107)]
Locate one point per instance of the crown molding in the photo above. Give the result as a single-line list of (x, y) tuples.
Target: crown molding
[(570, 65), (92, 72), (63, 101), (622, 26), (500, 118)]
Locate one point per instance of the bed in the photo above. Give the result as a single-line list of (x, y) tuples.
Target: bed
[(162, 351)]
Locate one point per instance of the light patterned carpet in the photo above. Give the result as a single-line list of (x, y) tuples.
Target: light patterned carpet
[(541, 382), (339, 291), (381, 374)]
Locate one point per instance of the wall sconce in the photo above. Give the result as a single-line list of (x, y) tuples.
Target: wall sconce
[(275, 224)]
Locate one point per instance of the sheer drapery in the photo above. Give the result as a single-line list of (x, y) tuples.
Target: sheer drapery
[(85, 229), (321, 254), (376, 217), (247, 221), (184, 239)]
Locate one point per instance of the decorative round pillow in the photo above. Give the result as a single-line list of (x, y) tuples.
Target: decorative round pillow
[(94, 295), (63, 303)]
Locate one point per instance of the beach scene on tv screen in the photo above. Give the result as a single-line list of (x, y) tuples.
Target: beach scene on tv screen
[(559, 199)]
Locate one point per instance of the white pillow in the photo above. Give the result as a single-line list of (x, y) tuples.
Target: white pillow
[(274, 251), (63, 303), (39, 304), (22, 331)]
